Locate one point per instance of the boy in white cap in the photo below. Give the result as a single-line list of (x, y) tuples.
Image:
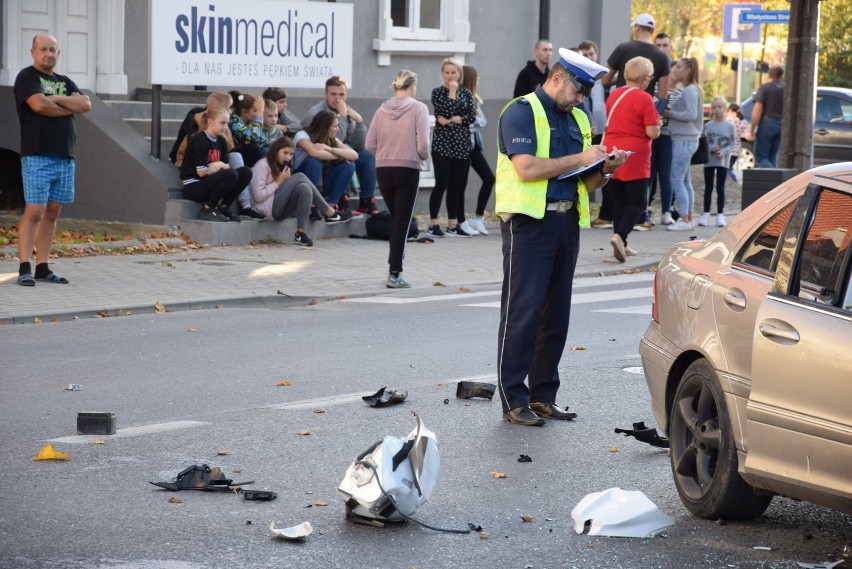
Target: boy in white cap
[(541, 136)]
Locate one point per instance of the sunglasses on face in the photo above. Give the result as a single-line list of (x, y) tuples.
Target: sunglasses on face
[(581, 87)]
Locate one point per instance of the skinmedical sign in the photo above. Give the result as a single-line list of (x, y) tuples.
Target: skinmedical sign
[(252, 43)]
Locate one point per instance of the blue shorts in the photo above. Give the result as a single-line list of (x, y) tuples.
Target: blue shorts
[(48, 178)]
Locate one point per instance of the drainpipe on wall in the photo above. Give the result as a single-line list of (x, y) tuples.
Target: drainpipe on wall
[(543, 19)]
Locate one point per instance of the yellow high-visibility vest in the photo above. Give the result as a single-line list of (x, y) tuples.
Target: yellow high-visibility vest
[(512, 194)]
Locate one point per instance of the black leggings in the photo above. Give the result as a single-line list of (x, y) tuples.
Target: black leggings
[(222, 187), (628, 199), (721, 175), (450, 175), (483, 170), (399, 190)]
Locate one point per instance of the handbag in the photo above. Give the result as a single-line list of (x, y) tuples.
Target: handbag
[(702, 153)]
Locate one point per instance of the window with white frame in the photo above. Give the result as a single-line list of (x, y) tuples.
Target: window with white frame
[(423, 27)]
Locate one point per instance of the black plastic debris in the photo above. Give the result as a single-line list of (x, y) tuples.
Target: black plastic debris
[(471, 389), (646, 435), (202, 477), (259, 495), (524, 458), (474, 527), (384, 397)]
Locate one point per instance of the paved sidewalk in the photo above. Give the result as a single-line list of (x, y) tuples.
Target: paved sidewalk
[(284, 275)]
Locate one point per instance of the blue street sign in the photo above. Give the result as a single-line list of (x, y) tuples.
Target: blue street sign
[(735, 32), (765, 17)]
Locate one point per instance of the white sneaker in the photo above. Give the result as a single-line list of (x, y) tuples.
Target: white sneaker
[(720, 220), (704, 220), (667, 218), (680, 225), (468, 229), (479, 224)]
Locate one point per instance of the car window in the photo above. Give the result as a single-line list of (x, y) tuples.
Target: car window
[(824, 249), (833, 109), (759, 251)]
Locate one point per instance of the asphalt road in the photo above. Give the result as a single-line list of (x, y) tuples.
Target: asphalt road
[(188, 386)]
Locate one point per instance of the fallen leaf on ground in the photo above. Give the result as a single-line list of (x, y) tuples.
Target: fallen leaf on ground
[(527, 518), (223, 453), (47, 453), (341, 297), (37, 320), (438, 283), (174, 500), (158, 306), (191, 330), (98, 442), (498, 474), (442, 385), (55, 319), (318, 410), (282, 383), (320, 504), (313, 302), (576, 348), (304, 433), (613, 449), (464, 289), (483, 535)]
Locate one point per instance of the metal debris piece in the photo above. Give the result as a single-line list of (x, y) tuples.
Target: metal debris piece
[(524, 458), (646, 435), (384, 397), (201, 478), (471, 389), (259, 495)]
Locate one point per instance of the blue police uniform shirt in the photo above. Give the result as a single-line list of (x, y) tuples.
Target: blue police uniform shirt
[(517, 136)]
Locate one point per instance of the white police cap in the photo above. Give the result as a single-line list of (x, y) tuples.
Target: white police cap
[(583, 68)]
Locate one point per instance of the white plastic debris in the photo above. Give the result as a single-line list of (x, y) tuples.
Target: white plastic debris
[(619, 513), (295, 533), (407, 470), (823, 565)]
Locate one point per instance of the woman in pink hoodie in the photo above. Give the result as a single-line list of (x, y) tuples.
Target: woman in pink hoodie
[(399, 137)]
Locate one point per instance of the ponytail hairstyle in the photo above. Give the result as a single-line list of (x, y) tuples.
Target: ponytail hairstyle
[(403, 80), (242, 102), (318, 129), (272, 156)]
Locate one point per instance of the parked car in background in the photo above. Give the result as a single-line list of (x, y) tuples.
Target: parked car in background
[(748, 359), (832, 128)]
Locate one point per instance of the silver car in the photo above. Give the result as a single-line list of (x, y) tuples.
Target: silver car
[(748, 357)]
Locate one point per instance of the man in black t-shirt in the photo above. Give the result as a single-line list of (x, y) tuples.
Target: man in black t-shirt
[(766, 119), (47, 103)]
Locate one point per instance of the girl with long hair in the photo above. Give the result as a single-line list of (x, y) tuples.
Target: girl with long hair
[(686, 122), (478, 162)]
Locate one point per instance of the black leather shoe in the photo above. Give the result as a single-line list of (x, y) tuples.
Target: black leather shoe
[(552, 411), (523, 416)]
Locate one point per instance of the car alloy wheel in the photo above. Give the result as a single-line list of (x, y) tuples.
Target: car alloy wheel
[(703, 453), (746, 159)]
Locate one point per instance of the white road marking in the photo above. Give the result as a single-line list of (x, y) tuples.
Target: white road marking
[(589, 297), (578, 283), (644, 309), (129, 432)]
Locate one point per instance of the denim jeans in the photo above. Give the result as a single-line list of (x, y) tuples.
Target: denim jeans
[(767, 141), (661, 163), (334, 180), (365, 167), (682, 151)]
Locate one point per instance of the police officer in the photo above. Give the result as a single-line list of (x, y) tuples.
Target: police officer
[(542, 136)]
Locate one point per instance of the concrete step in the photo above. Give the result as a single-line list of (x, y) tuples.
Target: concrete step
[(142, 109), (181, 214), (168, 127), (197, 97)]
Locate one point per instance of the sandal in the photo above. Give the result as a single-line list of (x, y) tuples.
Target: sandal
[(50, 277), (26, 279)]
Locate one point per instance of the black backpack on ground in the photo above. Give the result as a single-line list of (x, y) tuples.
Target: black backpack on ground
[(378, 227)]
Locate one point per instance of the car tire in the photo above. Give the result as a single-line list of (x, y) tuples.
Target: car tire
[(703, 452)]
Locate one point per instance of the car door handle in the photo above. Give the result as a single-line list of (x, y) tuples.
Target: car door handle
[(734, 299), (770, 330), (822, 131)]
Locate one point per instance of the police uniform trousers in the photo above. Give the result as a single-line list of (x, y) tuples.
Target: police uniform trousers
[(539, 258)]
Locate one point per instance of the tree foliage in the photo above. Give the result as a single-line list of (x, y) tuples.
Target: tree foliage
[(689, 20)]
